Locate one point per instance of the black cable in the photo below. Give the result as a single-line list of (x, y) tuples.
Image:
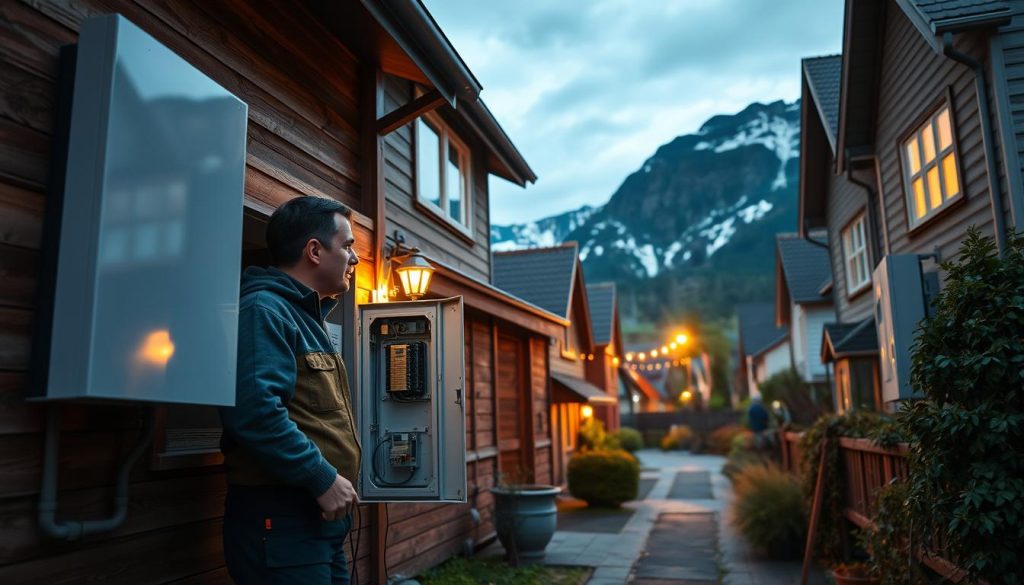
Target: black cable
[(376, 472)]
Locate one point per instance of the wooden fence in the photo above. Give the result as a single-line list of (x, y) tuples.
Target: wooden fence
[(866, 468)]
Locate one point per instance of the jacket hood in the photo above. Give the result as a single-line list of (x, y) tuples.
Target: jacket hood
[(258, 278)]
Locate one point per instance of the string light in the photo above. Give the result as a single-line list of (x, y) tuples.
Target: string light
[(681, 339)]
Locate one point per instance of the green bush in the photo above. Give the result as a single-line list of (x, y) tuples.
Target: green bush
[(678, 437), (720, 440), (770, 510), (740, 459), (630, 439), (604, 478), (967, 434), (592, 435)]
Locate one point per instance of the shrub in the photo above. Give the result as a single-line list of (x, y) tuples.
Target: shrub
[(770, 510), (604, 478), (678, 437), (630, 439), (740, 459), (592, 435), (720, 440), (967, 435)]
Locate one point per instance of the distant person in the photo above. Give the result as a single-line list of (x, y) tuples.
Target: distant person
[(757, 416)]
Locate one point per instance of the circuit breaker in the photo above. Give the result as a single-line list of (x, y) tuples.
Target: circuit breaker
[(412, 422)]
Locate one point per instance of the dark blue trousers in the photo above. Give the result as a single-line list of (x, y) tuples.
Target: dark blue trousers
[(275, 535)]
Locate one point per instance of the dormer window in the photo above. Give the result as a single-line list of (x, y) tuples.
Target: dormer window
[(442, 172), (930, 168)]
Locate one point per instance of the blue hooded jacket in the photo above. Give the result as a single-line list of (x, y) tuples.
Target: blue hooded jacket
[(292, 422)]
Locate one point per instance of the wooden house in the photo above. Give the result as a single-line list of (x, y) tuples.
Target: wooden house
[(602, 366), (763, 347), (552, 278), (355, 101), (909, 137), (803, 299)]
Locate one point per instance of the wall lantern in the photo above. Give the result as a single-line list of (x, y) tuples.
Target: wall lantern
[(587, 411), (414, 272)]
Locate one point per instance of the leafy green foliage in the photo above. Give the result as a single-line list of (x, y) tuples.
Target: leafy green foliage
[(677, 437), (804, 401), (770, 510), (604, 478), (967, 468), (460, 571), (888, 540), (593, 436), (630, 439)]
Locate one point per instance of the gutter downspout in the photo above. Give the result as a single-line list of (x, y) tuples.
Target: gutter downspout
[(75, 529), (872, 211), (994, 186)]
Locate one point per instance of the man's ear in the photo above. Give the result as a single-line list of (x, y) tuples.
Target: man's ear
[(312, 251)]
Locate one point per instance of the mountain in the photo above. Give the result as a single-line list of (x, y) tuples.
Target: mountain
[(696, 223)]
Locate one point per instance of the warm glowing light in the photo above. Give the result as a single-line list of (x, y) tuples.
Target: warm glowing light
[(664, 349), (673, 345), (658, 367), (590, 357), (587, 411), (615, 361), (681, 339), (636, 398), (157, 348), (629, 357), (686, 395), (776, 405), (381, 294), (654, 353), (642, 356), (415, 274)]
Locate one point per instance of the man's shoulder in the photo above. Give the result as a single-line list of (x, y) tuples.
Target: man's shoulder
[(268, 301)]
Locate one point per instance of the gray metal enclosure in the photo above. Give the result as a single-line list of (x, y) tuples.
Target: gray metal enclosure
[(410, 402)]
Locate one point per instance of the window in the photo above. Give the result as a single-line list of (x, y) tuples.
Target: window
[(855, 256), (442, 172), (930, 168)]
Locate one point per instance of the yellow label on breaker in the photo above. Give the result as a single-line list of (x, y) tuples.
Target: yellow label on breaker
[(398, 366)]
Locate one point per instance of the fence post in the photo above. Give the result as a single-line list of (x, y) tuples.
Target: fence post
[(815, 513)]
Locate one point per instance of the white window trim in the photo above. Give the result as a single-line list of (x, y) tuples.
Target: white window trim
[(853, 255), (445, 135), (930, 124)]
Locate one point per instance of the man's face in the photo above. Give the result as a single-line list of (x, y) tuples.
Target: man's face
[(337, 269)]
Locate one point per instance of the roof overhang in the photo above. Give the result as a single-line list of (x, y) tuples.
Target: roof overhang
[(572, 389), (637, 381)]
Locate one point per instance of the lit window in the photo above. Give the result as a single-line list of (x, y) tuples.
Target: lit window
[(442, 171), (930, 167), (855, 256)]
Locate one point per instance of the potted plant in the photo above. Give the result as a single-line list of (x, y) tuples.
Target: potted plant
[(525, 517), (854, 574)]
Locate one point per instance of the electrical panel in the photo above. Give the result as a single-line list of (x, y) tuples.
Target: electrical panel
[(900, 305), (412, 424), (138, 293)]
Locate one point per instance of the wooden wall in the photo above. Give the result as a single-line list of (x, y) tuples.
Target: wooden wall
[(847, 201), (422, 228), (300, 84), (913, 77)]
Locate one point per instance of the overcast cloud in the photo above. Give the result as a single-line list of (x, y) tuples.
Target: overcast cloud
[(589, 89)]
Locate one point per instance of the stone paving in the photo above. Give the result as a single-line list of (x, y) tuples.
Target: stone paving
[(614, 556)]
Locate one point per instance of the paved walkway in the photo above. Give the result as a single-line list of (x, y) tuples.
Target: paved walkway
[(615, 556)]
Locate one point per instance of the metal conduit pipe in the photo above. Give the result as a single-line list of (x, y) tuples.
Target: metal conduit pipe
[(872, 212), (75, 529), (994, 187)]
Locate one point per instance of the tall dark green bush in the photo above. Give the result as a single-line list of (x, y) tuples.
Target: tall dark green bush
[(630, 439), (967, 450), (604, 478)]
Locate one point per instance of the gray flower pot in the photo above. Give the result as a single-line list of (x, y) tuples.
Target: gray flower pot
[(525, 518)]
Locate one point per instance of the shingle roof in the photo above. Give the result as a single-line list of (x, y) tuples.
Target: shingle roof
[(583, 389), (805, 266), (601, 298), (823, 77), (542, 276), (938, 10), (850, 338), (757, 328)]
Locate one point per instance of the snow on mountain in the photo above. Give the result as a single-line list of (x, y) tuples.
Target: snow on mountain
[(546, 232)]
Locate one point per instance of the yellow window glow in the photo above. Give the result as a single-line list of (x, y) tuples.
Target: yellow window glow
[(945, 129), (949, 174), (913, 156), (928, 143), (934, 188), (919, 205)]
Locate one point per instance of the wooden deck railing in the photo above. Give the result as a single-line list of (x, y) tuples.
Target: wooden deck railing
[(867, 468)]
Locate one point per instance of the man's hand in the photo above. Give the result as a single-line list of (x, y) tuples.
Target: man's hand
[(338, 500)]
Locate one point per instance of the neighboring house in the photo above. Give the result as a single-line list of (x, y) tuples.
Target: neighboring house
[(763, 347), (356, 101), (552, 278), (603, 364), (803, 299), (638, 394), (909, 139)]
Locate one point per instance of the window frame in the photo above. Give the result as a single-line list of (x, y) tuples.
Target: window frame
[(859, 219), (929, 120), (445, 137)]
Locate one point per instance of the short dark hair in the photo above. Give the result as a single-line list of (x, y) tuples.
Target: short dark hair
[(299, 220)]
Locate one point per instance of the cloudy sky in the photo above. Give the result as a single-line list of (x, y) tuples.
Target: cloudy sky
[(588, 89)]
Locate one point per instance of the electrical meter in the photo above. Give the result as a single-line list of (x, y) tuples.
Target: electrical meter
[(410, 402)]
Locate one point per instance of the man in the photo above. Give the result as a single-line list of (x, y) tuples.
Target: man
[(291, 451)]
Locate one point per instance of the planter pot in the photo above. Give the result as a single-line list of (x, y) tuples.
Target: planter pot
[(843, 578), (525, 519)]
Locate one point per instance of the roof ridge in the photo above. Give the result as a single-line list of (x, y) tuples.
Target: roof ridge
[(819, 57), (562, 246)]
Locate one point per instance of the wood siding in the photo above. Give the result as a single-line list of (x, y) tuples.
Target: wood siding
[(422, 228), (912, 78), (300, 84), (845, 202), (1011, 47)]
